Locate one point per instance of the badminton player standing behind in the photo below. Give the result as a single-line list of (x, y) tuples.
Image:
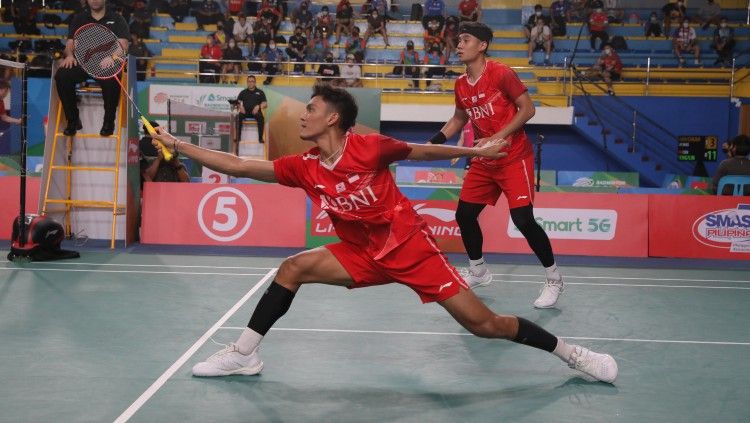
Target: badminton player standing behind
[(498, 104), (382, 238), (69, 73)]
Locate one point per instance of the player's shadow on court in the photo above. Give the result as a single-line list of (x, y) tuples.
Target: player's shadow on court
[(280, 401)]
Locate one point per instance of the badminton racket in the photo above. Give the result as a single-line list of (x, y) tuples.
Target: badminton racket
[(98, 51)]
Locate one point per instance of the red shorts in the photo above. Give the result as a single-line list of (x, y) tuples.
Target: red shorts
[(417, 263), (483, 183)]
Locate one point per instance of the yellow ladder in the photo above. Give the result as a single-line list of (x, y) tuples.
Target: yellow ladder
[(69, 202)]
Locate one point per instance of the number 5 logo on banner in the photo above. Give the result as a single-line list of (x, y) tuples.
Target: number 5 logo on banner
[(219, 214)]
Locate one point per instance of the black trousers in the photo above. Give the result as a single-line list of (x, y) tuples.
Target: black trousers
[(258, 118), (66, 80)]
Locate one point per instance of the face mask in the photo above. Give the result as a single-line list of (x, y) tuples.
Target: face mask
[(679, 3), (607, 51), (272, 46), (685, 25), (653, 19), (723, 24), (231, 45), (538, 13), (598, 10)]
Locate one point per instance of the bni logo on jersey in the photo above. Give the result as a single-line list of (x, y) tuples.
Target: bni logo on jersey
[(727, 228)]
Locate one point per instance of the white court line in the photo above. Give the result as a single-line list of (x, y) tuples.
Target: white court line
[(25, 269), (149, 265), (582, 338), (618, 278), (638, 285), (146, 395)]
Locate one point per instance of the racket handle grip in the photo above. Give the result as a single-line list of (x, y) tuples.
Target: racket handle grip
[(151, 131)]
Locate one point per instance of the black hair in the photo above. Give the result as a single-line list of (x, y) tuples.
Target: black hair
[(538, 7), (4, 84), (741, 145), (341, 101), (478, 30)]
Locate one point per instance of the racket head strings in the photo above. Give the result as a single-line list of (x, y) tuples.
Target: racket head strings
[(98, 51)]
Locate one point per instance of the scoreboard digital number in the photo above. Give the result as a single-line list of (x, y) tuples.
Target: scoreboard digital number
[(691, 146)]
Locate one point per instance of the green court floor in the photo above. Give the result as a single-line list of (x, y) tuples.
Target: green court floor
[(113, 336)]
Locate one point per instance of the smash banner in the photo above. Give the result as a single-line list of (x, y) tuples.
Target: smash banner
[(579, 224), (208, 214), (699, 227)]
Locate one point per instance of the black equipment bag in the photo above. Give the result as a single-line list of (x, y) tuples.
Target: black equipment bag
[(42, 237)]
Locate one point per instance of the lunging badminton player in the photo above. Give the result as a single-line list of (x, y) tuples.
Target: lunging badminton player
[(383, 239), (498, 105)]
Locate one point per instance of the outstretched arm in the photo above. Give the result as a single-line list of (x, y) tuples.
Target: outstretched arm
[(229, 164), (427, 152)]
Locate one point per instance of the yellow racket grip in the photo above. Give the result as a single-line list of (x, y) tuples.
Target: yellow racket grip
[(164, 150)]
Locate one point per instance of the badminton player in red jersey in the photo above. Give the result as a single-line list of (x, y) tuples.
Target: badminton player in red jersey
[(383, 239), (491, 96)]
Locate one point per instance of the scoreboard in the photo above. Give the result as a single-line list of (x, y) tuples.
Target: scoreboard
[(689, 147)]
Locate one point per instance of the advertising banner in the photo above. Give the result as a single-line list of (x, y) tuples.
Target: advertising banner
[(699, 226), (241, 215), (597, 179), (9, 192)]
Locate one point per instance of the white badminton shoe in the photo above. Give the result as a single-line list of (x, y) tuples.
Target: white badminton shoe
[(599, 366), (229, 361), (474, 278), (550, 293)]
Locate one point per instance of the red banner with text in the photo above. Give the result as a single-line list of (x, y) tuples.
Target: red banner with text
[(208, 214), (577, 224), (10, 193), (699, 226)]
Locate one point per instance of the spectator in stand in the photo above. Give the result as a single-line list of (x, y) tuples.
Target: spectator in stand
[(355, 45), (296, 49), (684, 41), (577, 11), (531, 22), (141, 23), (140, 51), (262, 34), (381, 6), (23, 15), (317, 46), (469, 10), (252, 101), (324, 20), (653, 26), (709, 13), (598, 23), (409, 63), (450, 35), (376, 25), (273, 56), (614, 10), (329, 70), (344, 19), (723, 43), (737, 163), (211, 52), (541, 38), (280, 5), (271, 12), (208, 14), (178, 9), (351, 73), (434, 57), (234, 7), (433, 35), (433, 9), (233, 68), (560, 14), (365, 9), (125, 8), (242, 30), (302, 17), (673, 12), (608, 67)]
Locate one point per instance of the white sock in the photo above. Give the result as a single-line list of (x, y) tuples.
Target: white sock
[(563, 350), (477, 264), (553, 273), (248, 341)]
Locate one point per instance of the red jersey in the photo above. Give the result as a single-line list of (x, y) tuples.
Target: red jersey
[(357, 191), (211, 52), (467, 7), (489, 102)]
